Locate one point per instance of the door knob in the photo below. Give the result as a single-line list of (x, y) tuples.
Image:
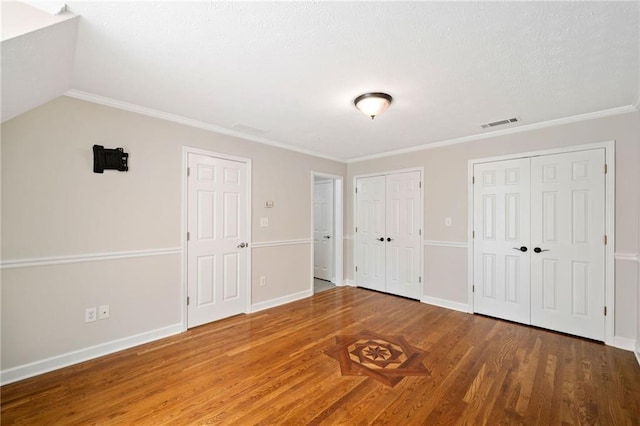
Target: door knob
[(327, 236), (522, 249), (389, 239), (380, 239), (539, 250), (243, 245)]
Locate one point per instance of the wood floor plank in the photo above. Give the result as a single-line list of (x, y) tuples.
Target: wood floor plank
[(271, 368)]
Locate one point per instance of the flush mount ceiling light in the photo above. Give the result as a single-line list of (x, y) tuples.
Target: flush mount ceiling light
[(373, 104)]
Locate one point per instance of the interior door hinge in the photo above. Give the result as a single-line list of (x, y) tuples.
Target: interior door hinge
[(605, 311), (473, 180), (187, 300), (605, 240), (356, 189), (419, 231), (420, 184), (473, 235), (419, 279), (188, 171), (188, 236), (473, 289), (356, 229), (605, 168), (356, 269)]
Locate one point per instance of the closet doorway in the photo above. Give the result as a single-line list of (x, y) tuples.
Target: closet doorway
[(539, 240)]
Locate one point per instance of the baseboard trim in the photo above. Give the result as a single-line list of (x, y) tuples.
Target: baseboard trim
[(637, 353), (25, 371), (624, 343), (444, 303), (261, 306), (350, 283)]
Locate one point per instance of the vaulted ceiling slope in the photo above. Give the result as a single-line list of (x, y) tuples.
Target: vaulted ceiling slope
[(286, 73)]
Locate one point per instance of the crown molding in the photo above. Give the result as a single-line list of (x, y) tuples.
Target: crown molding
[(114, 103), (512, 130)]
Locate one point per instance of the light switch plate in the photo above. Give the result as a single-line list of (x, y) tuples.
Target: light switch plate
[(264, 221)]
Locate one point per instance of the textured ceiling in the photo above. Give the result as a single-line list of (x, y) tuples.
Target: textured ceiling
[(288, 72)]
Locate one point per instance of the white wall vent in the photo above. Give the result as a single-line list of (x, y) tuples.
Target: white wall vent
[(499, 123)]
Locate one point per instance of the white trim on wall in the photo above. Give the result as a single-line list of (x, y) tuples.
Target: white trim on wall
[(448, 304), (509, 131), (126, 106), (277, 243), (87, 257), (446, 243), (609, 147), (25, 371), (624, 343), (272, 303), (628, 257)]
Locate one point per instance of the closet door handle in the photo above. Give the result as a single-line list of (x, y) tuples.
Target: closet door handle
[(539, 250), (522, 249), (389, 239), (380, 239)]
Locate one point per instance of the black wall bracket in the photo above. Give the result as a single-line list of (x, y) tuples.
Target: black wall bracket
[(109, 159)]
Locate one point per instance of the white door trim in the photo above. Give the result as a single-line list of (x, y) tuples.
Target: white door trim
[(186, 150), (609, 148), (338, 224)]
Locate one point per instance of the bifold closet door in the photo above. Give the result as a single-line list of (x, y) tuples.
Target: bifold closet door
[(538, 248)]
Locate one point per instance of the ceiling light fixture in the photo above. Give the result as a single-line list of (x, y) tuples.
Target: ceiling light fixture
[(373, 104)]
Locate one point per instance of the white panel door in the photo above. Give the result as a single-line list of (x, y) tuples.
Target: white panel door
[(323, 230), (370, 234), (501, 244), (217, 209), (568, 251), (403, 240)]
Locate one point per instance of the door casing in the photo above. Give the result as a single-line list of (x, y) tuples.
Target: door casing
[(186, 150), (609, 148)]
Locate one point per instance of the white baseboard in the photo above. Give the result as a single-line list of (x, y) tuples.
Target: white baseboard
[(25, 371), (350, 283), (637, 352), (281, 300), (444, 303), (624, 343)]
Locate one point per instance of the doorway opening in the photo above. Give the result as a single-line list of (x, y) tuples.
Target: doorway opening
[(326, 231)]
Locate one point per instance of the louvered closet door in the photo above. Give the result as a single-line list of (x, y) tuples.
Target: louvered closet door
[(568, 226), (501, 225)]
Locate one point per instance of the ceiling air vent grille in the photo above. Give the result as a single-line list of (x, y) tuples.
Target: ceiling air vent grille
[(499, 123)]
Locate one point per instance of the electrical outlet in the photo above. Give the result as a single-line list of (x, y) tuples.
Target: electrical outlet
[(447, 222), (263, 281), (103, 312), (90, 314), (264, 221)]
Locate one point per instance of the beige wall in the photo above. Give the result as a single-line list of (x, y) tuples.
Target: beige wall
[(445, 195), (54, 205)]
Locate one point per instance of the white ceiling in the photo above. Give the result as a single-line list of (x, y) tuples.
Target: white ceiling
[(287, 72)]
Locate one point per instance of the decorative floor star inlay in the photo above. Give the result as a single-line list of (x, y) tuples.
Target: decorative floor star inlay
[(387, 359)]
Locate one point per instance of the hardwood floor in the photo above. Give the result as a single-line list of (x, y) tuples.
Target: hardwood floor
[(270, 368)]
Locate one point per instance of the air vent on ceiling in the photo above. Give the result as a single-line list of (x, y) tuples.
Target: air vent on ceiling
[(499, 123)]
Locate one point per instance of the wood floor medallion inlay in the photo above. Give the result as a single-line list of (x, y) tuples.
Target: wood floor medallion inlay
[(387, 359)]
